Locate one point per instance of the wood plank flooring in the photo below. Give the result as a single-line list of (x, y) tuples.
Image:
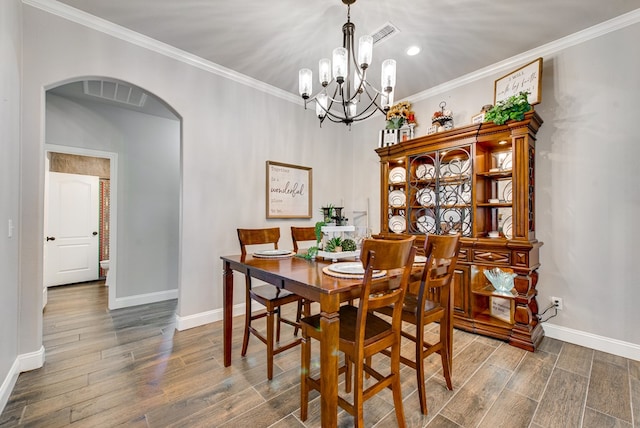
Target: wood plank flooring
[(130, 367)]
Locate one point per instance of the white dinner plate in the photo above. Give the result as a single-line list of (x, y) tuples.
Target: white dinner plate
[(397, 175), (397, 224), (425, 171), (448, 195), (426, 224), (273, 253), (351, 268), (397, 198), (426, 197)]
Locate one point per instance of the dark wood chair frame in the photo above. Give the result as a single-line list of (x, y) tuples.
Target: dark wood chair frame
[(363, 334), (271, 297), (435, 297)]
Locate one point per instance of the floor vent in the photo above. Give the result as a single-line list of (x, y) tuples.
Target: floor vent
[(384, 33), (114, 91)]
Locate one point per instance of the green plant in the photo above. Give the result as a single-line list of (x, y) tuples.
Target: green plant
[(513, 108), (333, 244), (348, 244), (318, 230), (310, 254)]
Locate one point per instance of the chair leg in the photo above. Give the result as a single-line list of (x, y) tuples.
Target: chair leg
[(247, 318), (299, 314), (270, 320), (420, 377), (277, 312), (445, 355), (348, 373), (358, 388), (396, 384), (305, 351)]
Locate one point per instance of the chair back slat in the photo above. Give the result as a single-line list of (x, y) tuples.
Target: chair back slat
[(391, 255), (301, 234), (258, 236), (442, 252)]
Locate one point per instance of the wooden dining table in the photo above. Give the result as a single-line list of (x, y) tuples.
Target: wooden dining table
[(304, 278)]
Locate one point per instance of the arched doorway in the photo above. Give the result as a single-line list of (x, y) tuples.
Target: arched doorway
[(140, 136)]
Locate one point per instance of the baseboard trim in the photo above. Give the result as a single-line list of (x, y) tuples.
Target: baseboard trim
[(22, 363), (593, 341), (143, 299), (202, 318)]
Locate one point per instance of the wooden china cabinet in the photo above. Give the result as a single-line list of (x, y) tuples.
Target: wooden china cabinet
[(479, 181)]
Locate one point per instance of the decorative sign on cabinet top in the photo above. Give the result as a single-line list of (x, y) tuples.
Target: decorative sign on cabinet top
[(525, 79)]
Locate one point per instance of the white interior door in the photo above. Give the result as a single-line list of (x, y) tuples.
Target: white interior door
[(71, 241)]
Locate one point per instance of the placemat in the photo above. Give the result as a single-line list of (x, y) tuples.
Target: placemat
[(329, 272)]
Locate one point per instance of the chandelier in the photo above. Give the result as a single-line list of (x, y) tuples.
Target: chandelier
[(341, 97)]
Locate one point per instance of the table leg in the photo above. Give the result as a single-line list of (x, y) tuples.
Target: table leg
[(330, 327), (227, 317)]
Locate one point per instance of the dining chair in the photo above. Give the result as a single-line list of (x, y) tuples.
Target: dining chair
[(270, 296), (432, 302), (302, 234), (364, 334)]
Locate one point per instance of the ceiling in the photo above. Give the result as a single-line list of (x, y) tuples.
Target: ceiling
[(271, 41)]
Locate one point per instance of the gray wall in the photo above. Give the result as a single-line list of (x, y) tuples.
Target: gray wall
[(229, 131), (587, 179), (10, 72), (148, 149)]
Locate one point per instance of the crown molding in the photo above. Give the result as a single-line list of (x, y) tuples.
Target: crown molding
[(516, 61), (107, 27), (72, 14)]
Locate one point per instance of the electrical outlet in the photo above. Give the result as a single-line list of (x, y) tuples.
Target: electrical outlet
[(557, 301)]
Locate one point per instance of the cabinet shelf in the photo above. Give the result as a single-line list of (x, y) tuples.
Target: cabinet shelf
[(495, 205), (489, 290)]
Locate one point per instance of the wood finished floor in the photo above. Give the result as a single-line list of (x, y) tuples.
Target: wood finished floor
[(131, 367)]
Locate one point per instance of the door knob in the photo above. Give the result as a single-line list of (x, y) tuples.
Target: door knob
[(94, 233), (51, 238)]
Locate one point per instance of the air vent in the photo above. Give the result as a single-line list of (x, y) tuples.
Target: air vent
[(114, 91), (384, 33)]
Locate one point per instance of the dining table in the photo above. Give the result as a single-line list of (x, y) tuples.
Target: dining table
[(306, 279)]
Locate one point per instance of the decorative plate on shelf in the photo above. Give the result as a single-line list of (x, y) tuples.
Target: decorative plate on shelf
[(506, 163), (459, 167), (397, 175), (426, 197), (425, 171), (507, 228), (397, 198), (426, 224), (507, 192), (397, 224)]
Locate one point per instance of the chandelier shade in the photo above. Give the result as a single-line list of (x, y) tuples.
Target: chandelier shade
[(341, 98)]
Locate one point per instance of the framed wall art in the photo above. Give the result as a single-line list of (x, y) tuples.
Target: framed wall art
[(288, 191), (525, 79)]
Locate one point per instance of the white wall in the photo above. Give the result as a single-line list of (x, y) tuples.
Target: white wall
[(148, 193), (229, 131), (10, 72), (587, 181)]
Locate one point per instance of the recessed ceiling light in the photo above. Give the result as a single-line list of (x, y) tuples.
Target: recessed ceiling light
[(413, 50)]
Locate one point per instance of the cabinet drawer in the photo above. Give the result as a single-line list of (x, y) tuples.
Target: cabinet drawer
[(498, 257), (463, 255)]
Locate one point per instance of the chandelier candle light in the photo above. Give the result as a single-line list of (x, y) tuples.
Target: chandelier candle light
[(343, 104)]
